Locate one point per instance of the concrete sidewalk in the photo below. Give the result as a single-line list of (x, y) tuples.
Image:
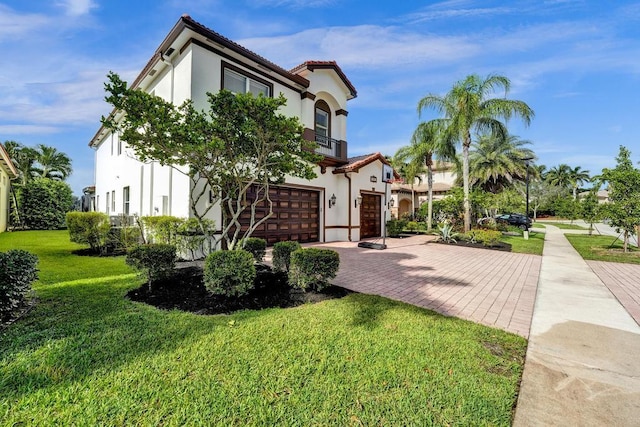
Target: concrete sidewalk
[(582, 366)]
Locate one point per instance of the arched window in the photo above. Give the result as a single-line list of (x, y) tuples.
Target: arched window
[(323, 120)]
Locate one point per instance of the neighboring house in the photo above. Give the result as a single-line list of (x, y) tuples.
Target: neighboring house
[(602, 195), (444, 178), (193, 60), (8, 172)]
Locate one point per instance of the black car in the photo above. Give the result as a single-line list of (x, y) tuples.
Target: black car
[(518, 220)]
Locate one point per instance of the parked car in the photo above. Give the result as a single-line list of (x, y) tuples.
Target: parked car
[(518, 220)]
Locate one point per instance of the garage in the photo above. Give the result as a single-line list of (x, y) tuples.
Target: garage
[(296, 215), (370, 216)]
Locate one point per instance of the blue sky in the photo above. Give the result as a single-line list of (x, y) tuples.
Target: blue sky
[(575, 62)]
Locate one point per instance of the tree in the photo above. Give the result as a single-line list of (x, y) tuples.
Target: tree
[(468, 108), (409, 172), (240, 143), (578, 176), (496, 162), (560, 176), (590, 209), (426, 146), (24, 160), (623, 208), (52, 163)]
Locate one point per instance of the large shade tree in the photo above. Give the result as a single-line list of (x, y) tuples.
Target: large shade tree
[(427, 146), (467, 109), (242, 142)]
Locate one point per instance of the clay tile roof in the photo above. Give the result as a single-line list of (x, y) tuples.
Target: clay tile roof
[(356, 163), (318, 65), (7, 163)]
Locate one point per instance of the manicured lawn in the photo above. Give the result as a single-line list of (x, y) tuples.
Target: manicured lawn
[(564, 226), (537, 225), (87, 356), (533, 246), (599, 248)]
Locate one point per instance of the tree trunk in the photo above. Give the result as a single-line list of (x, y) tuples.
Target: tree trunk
[(429, 197), (465, 182), (625, 244)]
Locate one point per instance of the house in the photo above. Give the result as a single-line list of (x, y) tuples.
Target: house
[(347, 200), (406, 197), (8, 172)]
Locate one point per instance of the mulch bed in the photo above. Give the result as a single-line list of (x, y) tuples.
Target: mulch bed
[(186, 292), (505, 247)]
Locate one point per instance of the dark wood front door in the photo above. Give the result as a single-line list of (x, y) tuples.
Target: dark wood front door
[(296, 215), (370, 216)]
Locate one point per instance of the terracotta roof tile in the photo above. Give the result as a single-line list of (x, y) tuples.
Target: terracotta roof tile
[(312, 65)]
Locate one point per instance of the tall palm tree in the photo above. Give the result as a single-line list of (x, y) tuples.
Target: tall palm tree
[(468, 107), (52, 163), (409, 171), (427, 145), (578, 177), (560, 176), (496, 162), (24, 159)]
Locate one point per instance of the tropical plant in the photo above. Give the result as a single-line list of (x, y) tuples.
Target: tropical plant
[(468, 108), (426, 146), (560, 176), (496, 162), (44, 204), (51, 163), (578, 176), (446, 233)]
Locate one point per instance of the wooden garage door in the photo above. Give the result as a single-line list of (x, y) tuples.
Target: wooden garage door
[(296, 215), (370, 217)]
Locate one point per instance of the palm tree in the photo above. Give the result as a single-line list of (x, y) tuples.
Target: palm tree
[(426, 145), (496, 162), (24, 159), (578, 177), (52, 163), (560, 176), (409, 172), (466, 108)]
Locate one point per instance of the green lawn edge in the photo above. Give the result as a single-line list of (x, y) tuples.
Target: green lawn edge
[(602, 248)]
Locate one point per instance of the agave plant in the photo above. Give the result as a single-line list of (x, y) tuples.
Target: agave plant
[(446, 233)]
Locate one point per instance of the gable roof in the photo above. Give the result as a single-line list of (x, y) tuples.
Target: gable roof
[(7, 164), (327, 65), (356, 163)]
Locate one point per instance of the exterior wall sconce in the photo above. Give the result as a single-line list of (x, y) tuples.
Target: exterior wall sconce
[(392, 202), (332, 200), (358, 201), (373, 178)]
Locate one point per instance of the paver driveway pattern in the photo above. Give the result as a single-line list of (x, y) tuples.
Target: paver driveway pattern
[(623, 280), (485, 286)]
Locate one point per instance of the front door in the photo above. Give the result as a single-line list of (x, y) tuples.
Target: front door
[(370, 216)]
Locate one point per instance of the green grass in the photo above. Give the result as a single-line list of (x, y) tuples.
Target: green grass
[(534, 245), (600, 248), (88, 356), (564, 226), (537, 225)]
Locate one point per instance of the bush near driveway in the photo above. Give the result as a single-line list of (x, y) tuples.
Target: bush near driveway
[(17, 272), (312, 268), (229, 273)]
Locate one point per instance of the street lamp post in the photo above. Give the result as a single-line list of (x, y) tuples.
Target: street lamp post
[(526, 162)]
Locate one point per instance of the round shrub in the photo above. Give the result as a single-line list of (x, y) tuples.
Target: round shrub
[(230, 273), (44, 204), (282, 254), (255, 246), (157, 260), (18, 270), (313, 268), (89, 228)]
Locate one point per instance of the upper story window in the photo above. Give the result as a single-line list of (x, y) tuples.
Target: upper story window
[(323, 119), (237, 81)]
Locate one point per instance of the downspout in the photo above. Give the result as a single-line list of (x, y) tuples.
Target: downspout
[(346, 175), (170, 64)]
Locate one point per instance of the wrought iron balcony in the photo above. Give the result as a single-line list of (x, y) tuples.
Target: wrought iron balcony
[(333, 150)]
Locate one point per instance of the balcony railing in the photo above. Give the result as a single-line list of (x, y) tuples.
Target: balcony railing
[(328, 146)]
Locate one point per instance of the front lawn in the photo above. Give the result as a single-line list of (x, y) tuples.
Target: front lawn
[(603, 248), (534, 245), (563, 225), (87, 356)]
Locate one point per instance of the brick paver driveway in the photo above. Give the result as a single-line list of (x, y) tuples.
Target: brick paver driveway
[(485, 286), (623, 280)]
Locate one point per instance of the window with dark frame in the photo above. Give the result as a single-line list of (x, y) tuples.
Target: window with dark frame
[(322, 120), (113, 200), (238, 81), (125, 200)]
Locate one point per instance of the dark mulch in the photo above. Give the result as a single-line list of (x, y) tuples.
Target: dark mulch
[(505, 247), (186, 292)]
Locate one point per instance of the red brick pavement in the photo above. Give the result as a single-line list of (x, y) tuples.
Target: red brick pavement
[(485, 286), (623, 280)]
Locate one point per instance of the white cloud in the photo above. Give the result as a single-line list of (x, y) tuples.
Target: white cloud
[(77, 7), (13, 24), (28, 129)]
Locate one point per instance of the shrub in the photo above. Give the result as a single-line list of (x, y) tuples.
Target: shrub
[(313, 268), (486, 237), (156, 260), (89, 228), (282, 254), (162, 229), (255, 246), (121, 239), (45, 203), (192, 236), (18, 270), (412, 226), (395, 227), (230, 273)]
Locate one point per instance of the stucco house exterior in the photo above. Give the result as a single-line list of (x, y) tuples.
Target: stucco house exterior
[(8, 172), (347, 200), (402, 193)]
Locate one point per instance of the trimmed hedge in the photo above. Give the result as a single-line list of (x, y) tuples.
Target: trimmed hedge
[(255, 246), (313, 268), (486, 237), (44, 204), (18, 270), (230, 273), (156, 260), (282, 254), (88, 228), (395, 227)]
